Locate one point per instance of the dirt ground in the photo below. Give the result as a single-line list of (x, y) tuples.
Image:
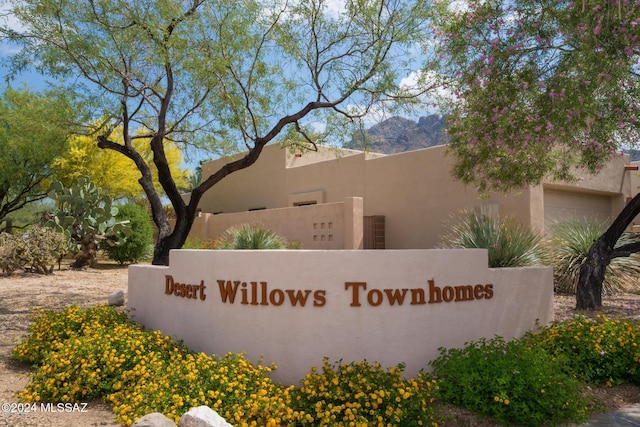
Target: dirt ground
[(19, 293)]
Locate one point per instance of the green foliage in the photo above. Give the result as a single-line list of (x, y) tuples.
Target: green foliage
[(513, 382), (597, 351), (251, 236), (220, 76), (567, 247), (38, 250), (137, 245), (363, 394), (98, 353), (509, 243), (28, 215), (540, 87), (86, 216), (33, 131)]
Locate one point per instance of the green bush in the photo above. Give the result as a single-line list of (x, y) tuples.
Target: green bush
[(38, 250), (251, 236), (511, 382), (597, 351), (137, 246), (509, 243), (567, 247), (98, 353)]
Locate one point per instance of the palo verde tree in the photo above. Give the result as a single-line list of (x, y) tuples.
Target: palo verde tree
[(33, 131), (114, 173), (544, 89), (205, 73)]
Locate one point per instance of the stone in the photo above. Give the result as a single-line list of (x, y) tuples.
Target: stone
[(116, 298), (202, 416), (155, 419)]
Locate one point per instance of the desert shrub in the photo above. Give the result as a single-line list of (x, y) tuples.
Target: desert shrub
[(98, 353), (9, 258), (251, 236), (597, 351), (137, 246), (198, 243), (50, 329), (567, 247), (511, 382), (38, 250), (364, 394), (509, 243)]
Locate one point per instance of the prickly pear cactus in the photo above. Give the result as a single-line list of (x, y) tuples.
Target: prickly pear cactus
[(86, 216)]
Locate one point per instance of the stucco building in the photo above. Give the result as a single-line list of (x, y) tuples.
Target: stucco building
[(345, 199)]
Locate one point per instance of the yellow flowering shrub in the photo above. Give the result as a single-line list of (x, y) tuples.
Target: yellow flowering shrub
[(99, 354), (596, 350), (363, 394), (50, 329)]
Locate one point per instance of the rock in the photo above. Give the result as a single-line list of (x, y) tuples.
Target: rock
[(116, 298), (155, 419), (202, 416)]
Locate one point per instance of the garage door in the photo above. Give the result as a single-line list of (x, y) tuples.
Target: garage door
[(564, 205)]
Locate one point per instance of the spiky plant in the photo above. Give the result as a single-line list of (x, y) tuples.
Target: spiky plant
[(510, 244), (251, 236), (567, 246)]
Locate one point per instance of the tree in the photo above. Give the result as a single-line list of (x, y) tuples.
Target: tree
[(114, 173), (205, 73), (33, 130), (542, 88), (87, 218), (136, 246)]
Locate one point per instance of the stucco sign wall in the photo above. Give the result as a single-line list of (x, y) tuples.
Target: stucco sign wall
[(296, 307)]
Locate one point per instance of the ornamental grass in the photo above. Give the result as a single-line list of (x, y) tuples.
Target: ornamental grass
[(567, 247), (508, 242)]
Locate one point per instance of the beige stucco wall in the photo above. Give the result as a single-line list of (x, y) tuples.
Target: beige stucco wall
[(338, 320), (418, 196), (323, 226), (413, 190)]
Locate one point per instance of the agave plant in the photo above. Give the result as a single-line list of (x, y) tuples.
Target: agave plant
[(510, 244), (251, 236), (567, 247)]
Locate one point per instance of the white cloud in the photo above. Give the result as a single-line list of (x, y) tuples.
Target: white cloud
[(8, 20), (417, 81), (335, 7)]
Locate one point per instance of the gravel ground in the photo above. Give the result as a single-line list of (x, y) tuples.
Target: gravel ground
[(22, 292)]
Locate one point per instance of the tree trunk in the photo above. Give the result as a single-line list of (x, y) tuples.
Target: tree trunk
[(592, 272), (87, 255), (603, 250), (175, 239)]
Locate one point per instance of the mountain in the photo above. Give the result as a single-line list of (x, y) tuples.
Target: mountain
[(398, 134), (634, 154)]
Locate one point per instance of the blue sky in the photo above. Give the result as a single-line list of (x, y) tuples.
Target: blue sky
[(36, 81)]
